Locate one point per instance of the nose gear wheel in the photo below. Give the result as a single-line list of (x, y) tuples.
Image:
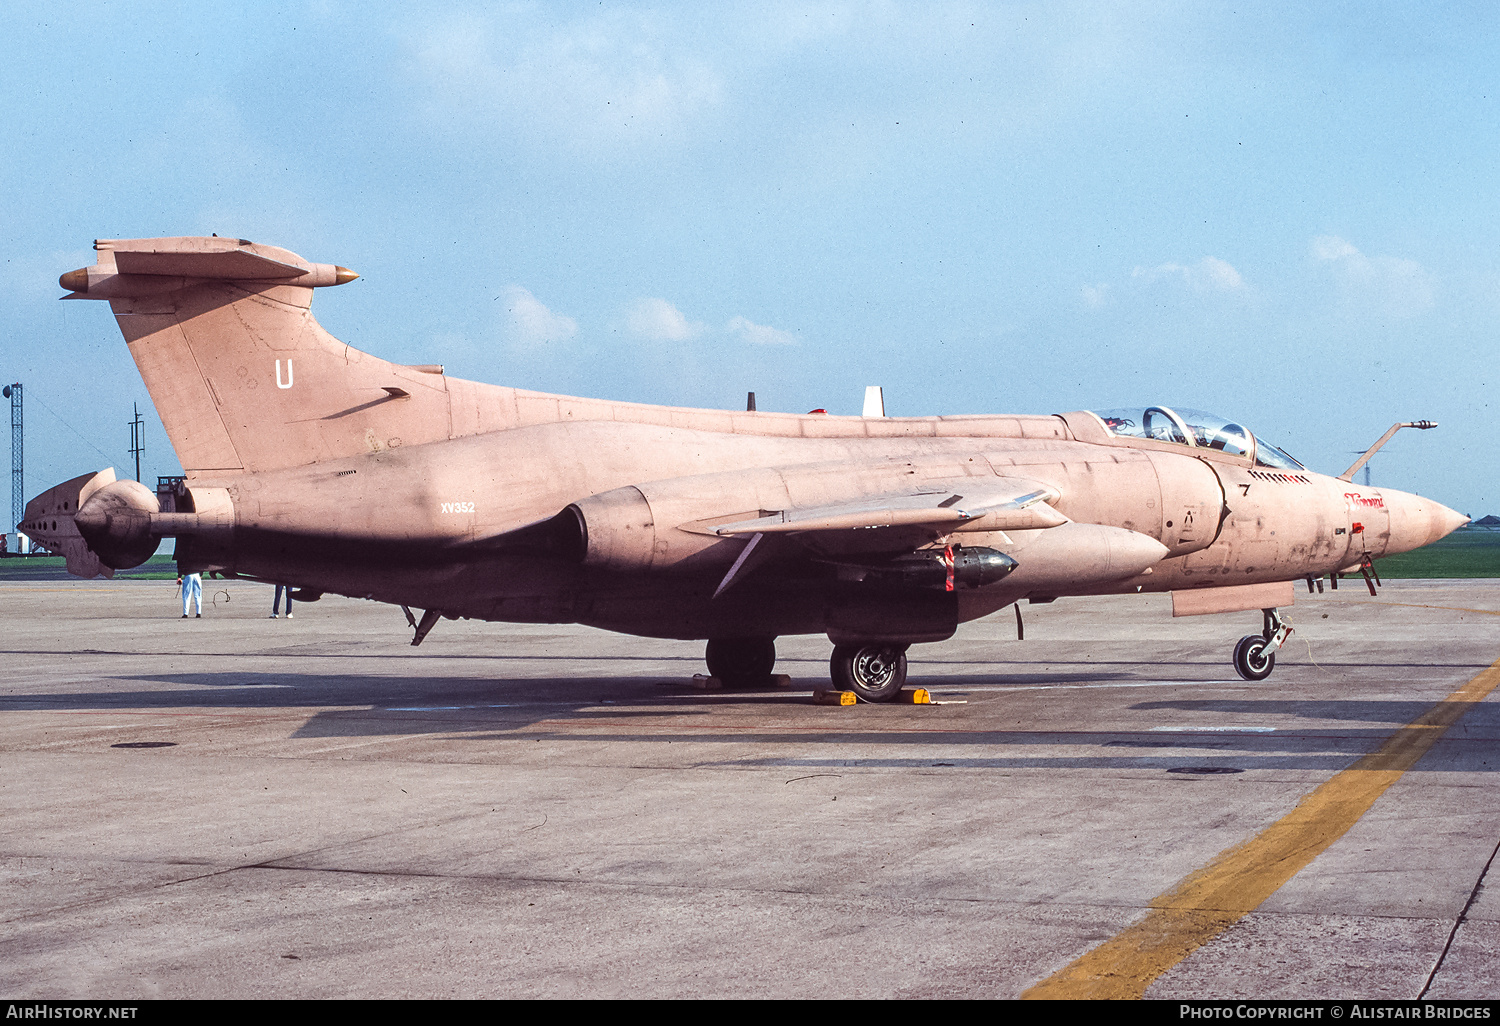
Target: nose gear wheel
[(1255, 655), (1253, 659)]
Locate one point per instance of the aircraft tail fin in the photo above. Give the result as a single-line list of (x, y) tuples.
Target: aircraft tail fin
[(243, 376)]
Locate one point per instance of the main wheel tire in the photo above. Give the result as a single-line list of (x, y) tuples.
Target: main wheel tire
[(876, 673), (1253, 658), (741, 661)]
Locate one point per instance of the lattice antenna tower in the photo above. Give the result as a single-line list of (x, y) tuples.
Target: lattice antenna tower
[(17, 457)]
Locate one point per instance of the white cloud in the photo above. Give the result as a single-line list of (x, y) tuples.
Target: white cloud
[(760, 334), (1207, 275), (529, 322), (1095, 295), (604, 78), (1331, 247), (1219, 274), (660, 321), (1392, 286)]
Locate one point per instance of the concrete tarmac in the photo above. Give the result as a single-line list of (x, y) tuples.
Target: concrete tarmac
[(552, 811)]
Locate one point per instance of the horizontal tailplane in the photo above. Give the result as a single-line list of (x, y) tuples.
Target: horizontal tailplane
[(146, 267)]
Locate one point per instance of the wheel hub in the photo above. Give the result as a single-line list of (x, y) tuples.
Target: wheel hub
[(874, 667)]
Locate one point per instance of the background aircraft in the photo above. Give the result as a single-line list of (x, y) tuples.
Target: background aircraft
[(311, 463)]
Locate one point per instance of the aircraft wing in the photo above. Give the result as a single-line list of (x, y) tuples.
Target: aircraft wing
[(998, 504), (700, 524)]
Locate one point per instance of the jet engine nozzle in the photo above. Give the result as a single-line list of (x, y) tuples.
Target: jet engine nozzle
[(615, 529), (620, 530), (116, 523)]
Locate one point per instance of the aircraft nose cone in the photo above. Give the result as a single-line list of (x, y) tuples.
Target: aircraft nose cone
[(1416, 521), (1451, 520)]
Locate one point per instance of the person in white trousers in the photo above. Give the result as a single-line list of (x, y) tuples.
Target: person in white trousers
[(192, 588)]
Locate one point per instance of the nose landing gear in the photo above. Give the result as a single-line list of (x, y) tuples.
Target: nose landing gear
[(1255, 655)]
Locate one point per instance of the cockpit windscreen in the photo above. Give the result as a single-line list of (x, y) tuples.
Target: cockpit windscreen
[(1196, 428)]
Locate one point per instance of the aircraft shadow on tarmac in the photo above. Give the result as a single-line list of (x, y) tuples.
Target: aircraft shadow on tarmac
[(650, 709)]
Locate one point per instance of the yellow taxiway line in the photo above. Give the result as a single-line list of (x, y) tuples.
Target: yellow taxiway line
[(1212, 899), (1456, 609)]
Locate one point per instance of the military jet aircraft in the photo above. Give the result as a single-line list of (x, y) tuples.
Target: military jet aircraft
[(311, 463)]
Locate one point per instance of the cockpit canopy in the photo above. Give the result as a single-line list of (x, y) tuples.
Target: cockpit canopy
[(1196, 429)]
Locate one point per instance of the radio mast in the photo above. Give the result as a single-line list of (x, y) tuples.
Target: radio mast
[(17, 457), (137, 439)]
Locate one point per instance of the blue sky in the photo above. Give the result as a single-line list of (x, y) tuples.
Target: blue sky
[(1286, 214)]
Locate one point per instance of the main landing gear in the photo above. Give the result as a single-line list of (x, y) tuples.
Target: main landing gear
[(741, 662), (1255, 655), (875, 672)]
